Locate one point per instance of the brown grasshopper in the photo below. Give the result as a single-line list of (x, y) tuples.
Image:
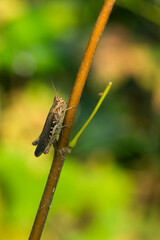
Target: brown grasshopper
[(51, 128)]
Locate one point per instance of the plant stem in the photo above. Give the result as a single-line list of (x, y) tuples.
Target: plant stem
[(60, 153)]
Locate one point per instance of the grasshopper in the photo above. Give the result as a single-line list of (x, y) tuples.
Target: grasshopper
[(51, 128)]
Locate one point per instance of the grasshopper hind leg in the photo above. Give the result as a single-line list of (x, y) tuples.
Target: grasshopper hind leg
[(46, 150), (35, 142)]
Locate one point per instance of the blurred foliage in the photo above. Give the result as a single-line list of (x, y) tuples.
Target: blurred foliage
[(109, 187)]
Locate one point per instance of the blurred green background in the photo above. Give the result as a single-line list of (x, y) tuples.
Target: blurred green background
[(110, 184)]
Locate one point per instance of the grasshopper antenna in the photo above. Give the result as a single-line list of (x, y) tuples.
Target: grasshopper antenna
[(53, 85)]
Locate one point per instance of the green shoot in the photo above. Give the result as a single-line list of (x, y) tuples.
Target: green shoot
[(73, 143)]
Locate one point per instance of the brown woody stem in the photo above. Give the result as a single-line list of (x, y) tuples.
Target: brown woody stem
[(60, 152)]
